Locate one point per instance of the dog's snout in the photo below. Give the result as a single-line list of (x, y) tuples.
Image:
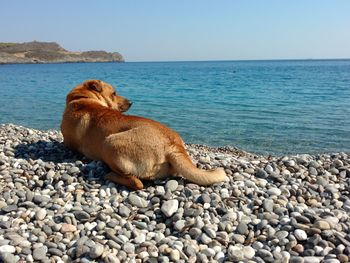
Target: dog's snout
[(130, 103)]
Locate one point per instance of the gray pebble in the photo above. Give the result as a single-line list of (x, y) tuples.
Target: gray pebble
[(40, 253), (268, 205), (171, 185), (170, 207), (137, 201), (96, 250), (124, 211)]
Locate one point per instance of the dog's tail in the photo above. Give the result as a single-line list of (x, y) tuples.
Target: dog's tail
[(181, 165)]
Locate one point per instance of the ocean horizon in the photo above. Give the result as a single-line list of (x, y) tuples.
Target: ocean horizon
[(263, 106), (230, 60)]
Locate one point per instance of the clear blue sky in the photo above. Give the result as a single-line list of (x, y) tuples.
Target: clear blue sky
[(156, 30)]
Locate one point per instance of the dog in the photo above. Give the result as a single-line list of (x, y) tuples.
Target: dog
[(134, 148)]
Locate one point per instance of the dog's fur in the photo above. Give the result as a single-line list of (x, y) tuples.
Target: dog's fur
[(133, 147)]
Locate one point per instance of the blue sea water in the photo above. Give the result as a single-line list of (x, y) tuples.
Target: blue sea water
[(269, 107)]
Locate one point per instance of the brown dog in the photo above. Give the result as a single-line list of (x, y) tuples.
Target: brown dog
[(133, 147)]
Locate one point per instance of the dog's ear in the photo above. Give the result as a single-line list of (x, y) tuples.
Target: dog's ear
[(93, 85)]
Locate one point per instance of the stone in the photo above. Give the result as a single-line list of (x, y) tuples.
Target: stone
[(40, 253), (175, 255), (343, 258), (180, 225), (261, 173), (124, 211), (137, 201), (331, 260), (209, 252), (296, 260), (9, 208), (269, 169), (312, 259), (263, 253), (140, 238), (238, 238), (205, 198), (322, 224), (190, 251), (171, 185), (313, 171), (170, 207), (281, 234), (268, 205), (8, 258), (205, 239), (40, 214), (129, 248), (73, 170), (81, 215), (2, 204), (248, 252), (274, 191), (68, 228), (7, 249), (300, 234), (235, 253), (242, 228), (38, 199), (96, 250)]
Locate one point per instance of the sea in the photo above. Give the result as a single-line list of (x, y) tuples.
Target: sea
[(267, 107)]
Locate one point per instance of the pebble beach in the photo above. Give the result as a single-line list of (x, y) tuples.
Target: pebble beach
[(55, 206)]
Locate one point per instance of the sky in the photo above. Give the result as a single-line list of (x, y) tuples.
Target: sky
[(183, 30)]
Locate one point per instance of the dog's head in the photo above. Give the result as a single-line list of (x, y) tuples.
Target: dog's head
[(100, 91)]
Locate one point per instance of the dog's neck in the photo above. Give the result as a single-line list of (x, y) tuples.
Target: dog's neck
[(79, 98)]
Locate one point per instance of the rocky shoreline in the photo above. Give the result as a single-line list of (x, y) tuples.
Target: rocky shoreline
[(50, 52), (55, 206)]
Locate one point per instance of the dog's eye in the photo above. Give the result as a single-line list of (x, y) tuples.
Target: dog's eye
[(114, 94)]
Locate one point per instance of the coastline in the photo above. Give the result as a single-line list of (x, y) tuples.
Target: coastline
[(58, 62), (55, 204), (37, 52)]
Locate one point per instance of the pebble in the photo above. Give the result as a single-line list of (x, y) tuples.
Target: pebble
[(322, 224), (68, 228), (170, 207), (175, 255), (171, 185), (124, 211), (274, 191), (9, 208), (137, 201), (312, 259), (209, 252), (8, 258), (235, 253), (38, 199), (81, 215), (40, 253), (180, 225), (248, 252), (96, 251), (300, 234), (7, 249), (268, 205), (296, 260), (242, 228), (40, 214), (129, 248), (56, 206)]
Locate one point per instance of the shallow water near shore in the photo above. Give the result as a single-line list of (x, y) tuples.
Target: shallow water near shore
[(269, 107)]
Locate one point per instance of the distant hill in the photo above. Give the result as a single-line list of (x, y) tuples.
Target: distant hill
[(50, 52)]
